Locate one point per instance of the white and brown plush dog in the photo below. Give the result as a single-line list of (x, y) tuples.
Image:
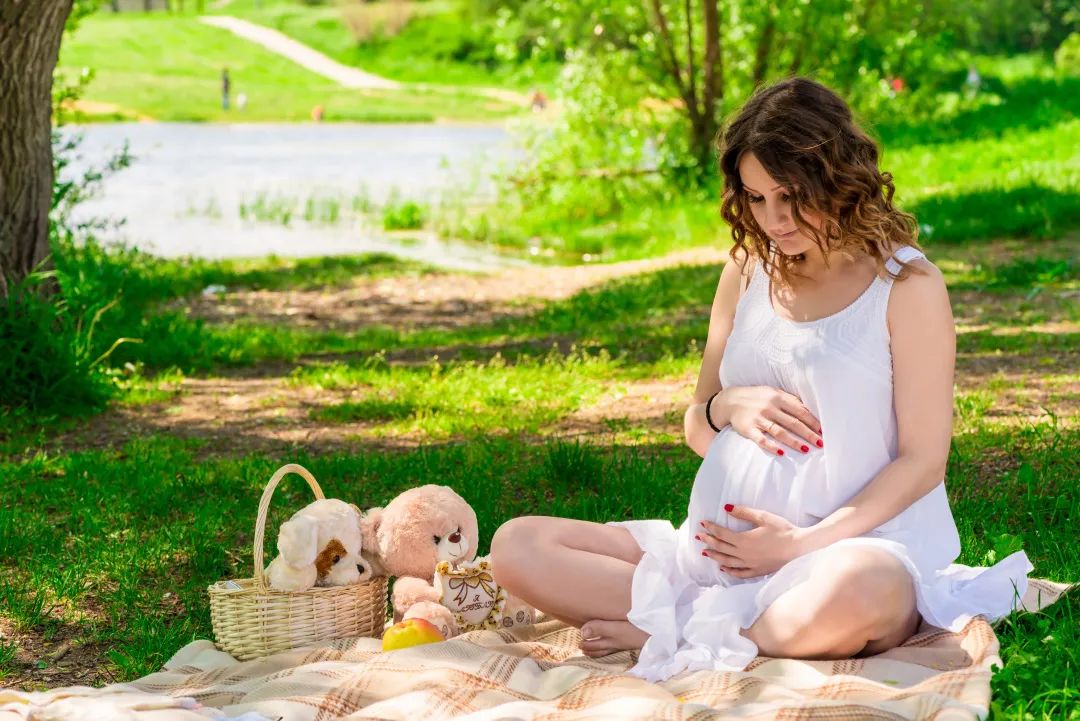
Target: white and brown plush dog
[(319, 546)]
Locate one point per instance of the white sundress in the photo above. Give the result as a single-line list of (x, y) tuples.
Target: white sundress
[(840, 367)]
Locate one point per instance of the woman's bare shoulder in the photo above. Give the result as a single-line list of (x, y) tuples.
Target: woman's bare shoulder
[(921, 292), (743, 260)]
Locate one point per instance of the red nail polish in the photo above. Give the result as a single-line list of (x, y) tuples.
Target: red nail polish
[(729, 507), (705, 553), (779, 451), (820, 444), (697, 538), (806, 449)]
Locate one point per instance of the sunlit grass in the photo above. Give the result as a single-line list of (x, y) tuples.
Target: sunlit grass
[(169, 68)]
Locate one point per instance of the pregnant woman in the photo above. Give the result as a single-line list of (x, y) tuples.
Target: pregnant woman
[(818, 524)]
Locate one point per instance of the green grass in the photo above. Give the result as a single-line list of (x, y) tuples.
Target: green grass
[(177, 519), (185, 522), (434, 47), (656, 224), (472, 399), (601, 319), (169, 68), (647, 318), (960, 189)]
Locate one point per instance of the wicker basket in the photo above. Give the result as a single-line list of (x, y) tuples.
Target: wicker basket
[(251, 620)]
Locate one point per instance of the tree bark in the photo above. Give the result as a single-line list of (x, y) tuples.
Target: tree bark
[(30, 33), (701, 105), (667, 51), (691, 71), (713, 91)]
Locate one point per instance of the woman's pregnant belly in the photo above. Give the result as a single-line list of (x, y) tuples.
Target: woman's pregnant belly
[(736, 470)]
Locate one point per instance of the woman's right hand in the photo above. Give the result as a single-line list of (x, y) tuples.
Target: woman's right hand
[(770, 417)]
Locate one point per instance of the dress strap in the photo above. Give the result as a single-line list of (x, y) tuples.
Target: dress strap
[(880, 305), (904, 254)]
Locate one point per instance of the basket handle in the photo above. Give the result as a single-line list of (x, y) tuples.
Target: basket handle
[(264, 505)]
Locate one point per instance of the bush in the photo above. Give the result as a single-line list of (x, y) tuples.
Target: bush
[(403, 214), (1067, 56), (50, 362), (54, 360), (613, 151)]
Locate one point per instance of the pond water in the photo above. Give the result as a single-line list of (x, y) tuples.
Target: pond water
[(217, 191)]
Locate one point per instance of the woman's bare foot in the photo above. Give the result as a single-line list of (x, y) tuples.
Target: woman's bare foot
[(599, 638)]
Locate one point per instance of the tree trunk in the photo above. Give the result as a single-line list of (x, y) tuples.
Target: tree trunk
[(30, 33), (702, 107), (713, 91)]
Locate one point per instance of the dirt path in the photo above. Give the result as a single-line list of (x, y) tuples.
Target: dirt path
[(300, 54), (94, 107), (259, 410), (433, 300)]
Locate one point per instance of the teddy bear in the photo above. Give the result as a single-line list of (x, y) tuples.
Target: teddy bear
[(427, 537), (320, 545)]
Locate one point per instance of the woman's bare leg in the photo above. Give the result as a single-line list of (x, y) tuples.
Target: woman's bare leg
[(582, 572), (862, 603), (577, 571)]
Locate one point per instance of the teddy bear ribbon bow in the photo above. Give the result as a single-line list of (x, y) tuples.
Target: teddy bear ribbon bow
[(483, 579)]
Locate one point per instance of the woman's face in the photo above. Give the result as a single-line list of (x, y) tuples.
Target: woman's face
[(771, 208)]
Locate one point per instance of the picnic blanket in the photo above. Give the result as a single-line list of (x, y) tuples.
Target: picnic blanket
[(538, 673)]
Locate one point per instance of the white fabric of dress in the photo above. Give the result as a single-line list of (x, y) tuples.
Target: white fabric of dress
[(840, 367)]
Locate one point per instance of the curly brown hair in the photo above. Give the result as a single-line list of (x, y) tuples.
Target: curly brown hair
[(806, 138)]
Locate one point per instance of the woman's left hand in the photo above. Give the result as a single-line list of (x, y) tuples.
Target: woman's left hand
[(756, 552)]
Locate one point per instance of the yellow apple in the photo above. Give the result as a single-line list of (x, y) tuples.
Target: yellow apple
[(410, 632)]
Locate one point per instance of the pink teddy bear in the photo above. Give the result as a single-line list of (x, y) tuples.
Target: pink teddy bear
[(412, 537)]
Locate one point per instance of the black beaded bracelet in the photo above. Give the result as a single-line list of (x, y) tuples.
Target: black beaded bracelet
[(708, 417)]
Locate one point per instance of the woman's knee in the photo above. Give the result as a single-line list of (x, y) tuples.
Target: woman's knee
[(870, 593), (513, 542), (860, 595)]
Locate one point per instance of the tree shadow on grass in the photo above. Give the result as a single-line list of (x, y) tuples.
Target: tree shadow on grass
[(1029, 104), (648, 315), (1029, 211)]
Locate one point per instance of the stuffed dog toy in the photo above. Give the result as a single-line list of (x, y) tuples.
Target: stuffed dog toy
[(320, 545)]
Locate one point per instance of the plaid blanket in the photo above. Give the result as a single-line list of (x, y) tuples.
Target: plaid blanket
[(537, 672)]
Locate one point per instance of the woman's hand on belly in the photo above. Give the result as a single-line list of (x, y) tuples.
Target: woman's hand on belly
[(757, 552), (770, 417)]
